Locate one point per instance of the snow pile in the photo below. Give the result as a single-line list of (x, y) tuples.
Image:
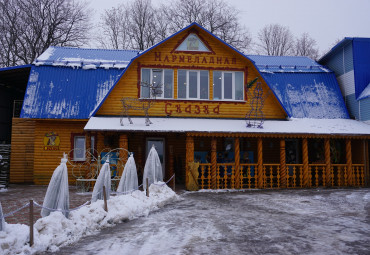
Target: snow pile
[(55, 230)]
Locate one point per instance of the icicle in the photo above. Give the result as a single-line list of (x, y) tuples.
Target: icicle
[(128, 180), (153, 168), (104, 179), (57, 194), (2, 220)]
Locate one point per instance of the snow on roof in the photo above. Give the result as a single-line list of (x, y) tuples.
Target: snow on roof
[(365, 93), (292, 126), (291, 64), (86, 58)]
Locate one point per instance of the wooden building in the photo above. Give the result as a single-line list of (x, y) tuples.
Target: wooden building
[(303, 136)]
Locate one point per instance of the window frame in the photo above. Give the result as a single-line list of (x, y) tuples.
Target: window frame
[(233, 86), (198, 71), (73, 145), (162, 96)]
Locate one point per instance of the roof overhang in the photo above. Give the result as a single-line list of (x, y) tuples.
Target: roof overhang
[(339, 127)]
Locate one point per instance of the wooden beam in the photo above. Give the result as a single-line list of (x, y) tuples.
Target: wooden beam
[(306, 176), (171, 165), (237, 162), (327, 163), (88, 153), (260, 163), (349, 163), (366, 162), (282, 173), (214, 163), (189, 156)]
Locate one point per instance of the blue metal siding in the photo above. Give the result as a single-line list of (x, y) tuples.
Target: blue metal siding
[(352, 106), (308, 95), (342, 61), (348, 58), (365, 109), (361, 54), (66, 93)]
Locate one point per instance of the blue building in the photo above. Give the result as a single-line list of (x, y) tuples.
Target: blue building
[(350, 61)]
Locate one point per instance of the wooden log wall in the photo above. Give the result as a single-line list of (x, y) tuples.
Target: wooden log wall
[(22, 151), (164, 57), (45, 161)]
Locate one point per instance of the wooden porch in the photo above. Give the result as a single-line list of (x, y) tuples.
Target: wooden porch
[(347, 168)]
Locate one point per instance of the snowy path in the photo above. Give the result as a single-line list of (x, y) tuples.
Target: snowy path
[(251, 222)]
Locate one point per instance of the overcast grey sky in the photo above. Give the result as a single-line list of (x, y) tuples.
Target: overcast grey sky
[(325, 20)]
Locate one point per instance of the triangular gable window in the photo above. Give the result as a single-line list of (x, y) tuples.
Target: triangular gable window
[(192, 43)]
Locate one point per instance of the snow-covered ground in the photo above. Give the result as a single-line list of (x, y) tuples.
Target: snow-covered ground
[(315, 221), (55, 230)]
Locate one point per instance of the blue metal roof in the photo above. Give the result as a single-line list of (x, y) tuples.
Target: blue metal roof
[(287, 64), (66, 93), (308, 95), (88, 58)]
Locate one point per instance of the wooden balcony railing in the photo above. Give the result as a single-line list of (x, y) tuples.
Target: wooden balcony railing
[(226, 176)]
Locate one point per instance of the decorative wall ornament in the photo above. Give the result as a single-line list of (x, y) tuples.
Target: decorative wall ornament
[(51, 141), (255, 117), (143, 104)]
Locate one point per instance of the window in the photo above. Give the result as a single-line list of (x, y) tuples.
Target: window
[(192, 84), (79, 147), (228, 85), (161, 78)]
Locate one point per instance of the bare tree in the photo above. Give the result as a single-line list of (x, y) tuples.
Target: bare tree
[(142, 24), (216, 16), (29, 27), (306, 46), (115, 32), (275, 40), (147, 25), (134, 25)]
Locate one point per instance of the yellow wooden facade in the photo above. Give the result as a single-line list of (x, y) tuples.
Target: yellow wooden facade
[(165, 56)]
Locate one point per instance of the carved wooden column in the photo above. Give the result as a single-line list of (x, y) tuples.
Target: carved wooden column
[(214, 163), (237, 162), (171, 164), (366, 163), (327, 163), (282, 164), (123, 154), (349, 163), (189, 157), (306, 176), (260, 163)]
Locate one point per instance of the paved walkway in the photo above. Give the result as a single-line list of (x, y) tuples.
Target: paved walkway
[(315, 221), (18, 195)]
